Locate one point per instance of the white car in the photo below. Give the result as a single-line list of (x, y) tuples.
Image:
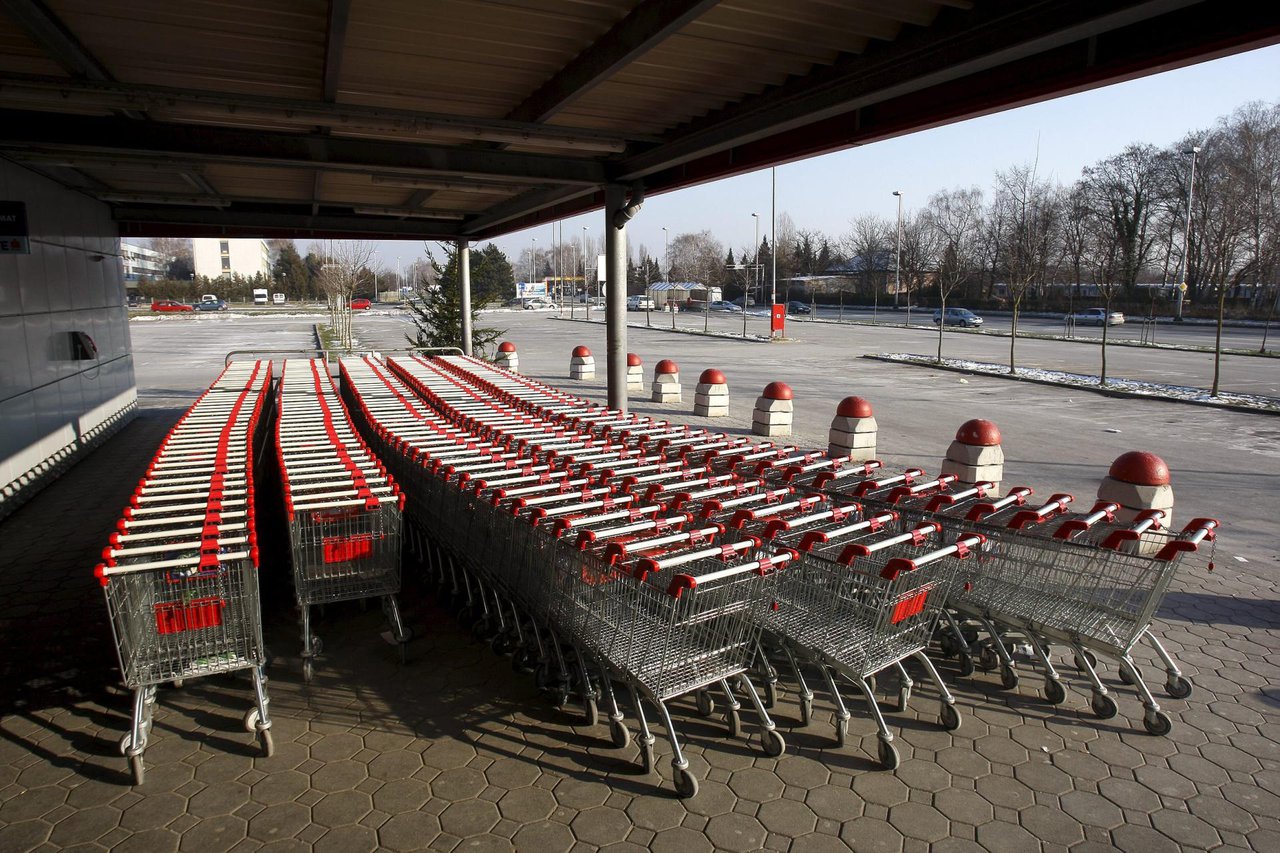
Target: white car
[(640, 303), (537, 303), (962, 317), (1096, 317)]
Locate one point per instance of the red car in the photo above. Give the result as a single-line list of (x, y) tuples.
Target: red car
[(360, 304), (170, 305)]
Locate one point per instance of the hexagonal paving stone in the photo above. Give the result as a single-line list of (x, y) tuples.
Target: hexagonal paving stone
[(153, 812), (348, 839), (84, 825), (339, 776), (408, 832), (1003, 791), (341, 808), (526, 805), (214, 835), (448, 754), (735, 832), (872, 835), (1041, 776), (1129, 795), (512, 773), (1142, 839), (1188, 830), (280, 787), (1006, 838), (544, 836), (460, 783), (401, 795), (397, 764), (881, 787), (24, 835), (756, 785), (680, 840), (654, 813), (787, 817), (469, 817), (963, 762), (803, 772), (835, 803), (713, 799), (147, 841), (963, 806), (916, 820), (282, 820), (1252, 799), (601, 825), (1051, 825), (32, 804), (1165, 782), (218, 799)]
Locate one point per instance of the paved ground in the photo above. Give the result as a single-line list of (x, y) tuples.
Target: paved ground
[(455, 751)]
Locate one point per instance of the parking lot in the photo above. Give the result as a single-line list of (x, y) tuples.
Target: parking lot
[(455, 751)]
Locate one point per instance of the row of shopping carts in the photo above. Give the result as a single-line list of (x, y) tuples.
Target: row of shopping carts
[(180, 572), (343, 508)]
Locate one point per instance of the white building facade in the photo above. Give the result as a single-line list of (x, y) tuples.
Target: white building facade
[(214, 257), (141, 262)]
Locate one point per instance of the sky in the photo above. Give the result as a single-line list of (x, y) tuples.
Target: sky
[(825, 193)]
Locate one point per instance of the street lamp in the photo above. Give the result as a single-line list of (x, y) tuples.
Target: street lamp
[(533, 250), (897, 265), (755, 272), (1186, 234)]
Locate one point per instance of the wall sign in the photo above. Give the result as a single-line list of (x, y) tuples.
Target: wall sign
[(14, 239)]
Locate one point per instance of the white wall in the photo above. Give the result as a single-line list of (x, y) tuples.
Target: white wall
[(248, 257), (53, 407)]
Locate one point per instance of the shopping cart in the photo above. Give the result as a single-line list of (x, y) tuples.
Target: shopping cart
[(344, 509), (180, 574)]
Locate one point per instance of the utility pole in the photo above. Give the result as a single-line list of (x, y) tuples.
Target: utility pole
[(897, 266), (1186, 235)]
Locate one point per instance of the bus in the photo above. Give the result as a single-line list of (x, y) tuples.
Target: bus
[(260, 296)]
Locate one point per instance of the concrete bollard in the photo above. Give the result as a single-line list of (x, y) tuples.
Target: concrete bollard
[(582, 365), (711, 399), (666, 382), (853, 431), (635, 372), (976, 454), (1139, 481), (772, 415), (507, 356)]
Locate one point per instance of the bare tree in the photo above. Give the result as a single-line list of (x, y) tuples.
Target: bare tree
[(1126, 189), (697, 257), (871, 239), (953, 219), (344, 261), (1101, 252), (1030, 208)]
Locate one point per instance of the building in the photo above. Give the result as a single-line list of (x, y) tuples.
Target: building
[(141, 262), (213, 257)]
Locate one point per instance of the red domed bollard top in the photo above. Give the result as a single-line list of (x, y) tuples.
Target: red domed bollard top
[(581, 352), (507, 356), (635, 372), (506, 346), (666, 382), (1140, 468), (854, 407), (666, 366), (712, 398), (978, 432), (583, 364), (711, 376), (777, 391), (633, 360)]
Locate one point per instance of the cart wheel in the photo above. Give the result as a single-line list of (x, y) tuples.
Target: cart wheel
[(948, 646), (464, 616), (734, 722), (590, 711), (1179, 687), (949, 717), (888, 754), (646, 757), (904, 696), (970, 635), (1090, 657), (308, 670), (179, 683), (686, 784), (1125, 677), (1054, 692), (1157, 723), (619, 734), (250, 720), (138, 768), (988, 659), (266, 743), (1104, 707), (1008, 677), (317, 646), (772, 742), (126, 743), (871, 682), (842, 732), (770, 694), (966, 664), (706, 705), (523, 660), (806, 710)]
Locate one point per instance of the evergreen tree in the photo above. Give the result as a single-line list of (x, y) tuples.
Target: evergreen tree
[(492, 279), (289, 272), (437, 308)]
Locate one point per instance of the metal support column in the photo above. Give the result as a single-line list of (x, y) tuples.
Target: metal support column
[(464, 286), (617, 212)]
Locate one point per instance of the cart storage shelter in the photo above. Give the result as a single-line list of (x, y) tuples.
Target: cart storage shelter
[(458, 121)]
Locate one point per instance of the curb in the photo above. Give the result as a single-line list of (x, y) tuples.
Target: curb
[(1106, 392), (716, 335)]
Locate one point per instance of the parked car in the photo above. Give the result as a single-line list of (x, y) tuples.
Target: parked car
[(721, 305), (215, 304), (277, 298), (538, 303), (170, 305), (209, 297), (360, 304), (959, 317), (797, 307), (750, 301), (640, 303), (1096, 317)]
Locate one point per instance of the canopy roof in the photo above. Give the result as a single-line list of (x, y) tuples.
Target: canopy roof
[(443, 119)]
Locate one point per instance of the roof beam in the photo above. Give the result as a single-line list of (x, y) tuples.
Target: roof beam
[(334, 43), (645, 27), (98, 136), (38, 92), (207, 222), (48, 31), (226, 201)]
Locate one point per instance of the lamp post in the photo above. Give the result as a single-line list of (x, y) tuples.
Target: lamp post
[(897, 264), (755, 273), (1186, 235), (533, 250), (773, 240)]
